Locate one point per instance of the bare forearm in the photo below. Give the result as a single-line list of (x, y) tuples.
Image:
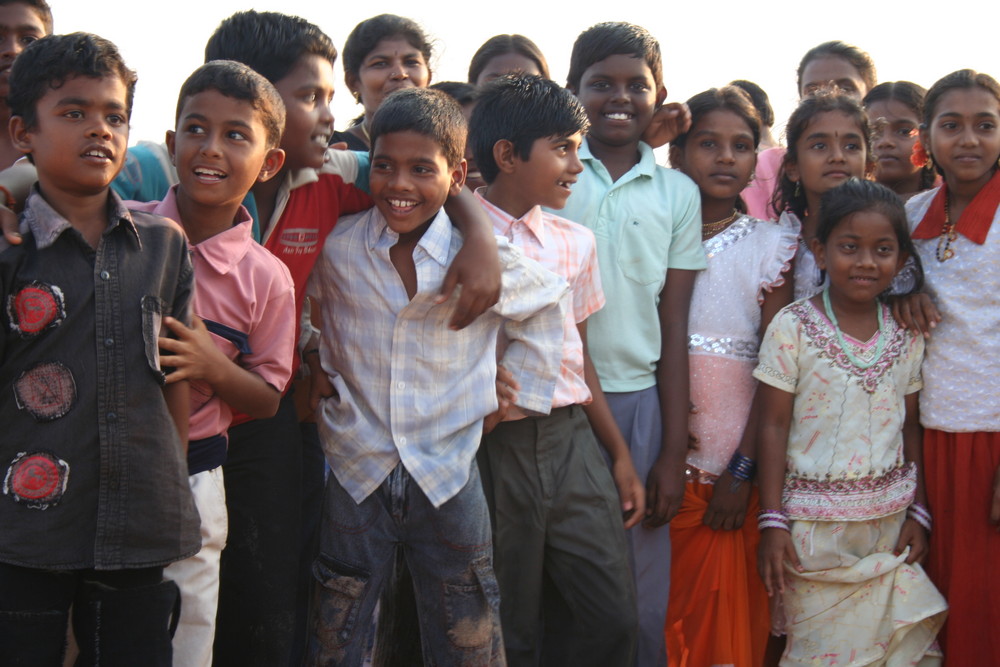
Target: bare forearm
[(246, 391), (178, 400)]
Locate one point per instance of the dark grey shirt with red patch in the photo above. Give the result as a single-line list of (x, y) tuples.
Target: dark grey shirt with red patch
[(92, 472)]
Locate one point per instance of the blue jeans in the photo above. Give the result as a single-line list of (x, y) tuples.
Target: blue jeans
[(448, 551)]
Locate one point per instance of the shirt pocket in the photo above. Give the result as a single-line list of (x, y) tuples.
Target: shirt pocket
[(643, 251), (153, 310)]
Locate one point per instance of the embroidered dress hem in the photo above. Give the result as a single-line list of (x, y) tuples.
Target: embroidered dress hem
[(859, 499)]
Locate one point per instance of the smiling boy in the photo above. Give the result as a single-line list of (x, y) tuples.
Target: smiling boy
[(238, 353), (647, 222), (556, 510), (95, 496), (406, 396)]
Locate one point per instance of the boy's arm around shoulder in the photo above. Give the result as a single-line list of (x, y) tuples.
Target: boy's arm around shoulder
[(533, 302)]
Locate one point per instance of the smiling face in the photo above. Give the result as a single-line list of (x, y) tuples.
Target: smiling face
[(894, 132), (307, 91), (619, 95), (830, 151), (719, 156), (411, 179), (220, 149), (861, 257), (832, 73), (78, 142), (964, 137), (20, 25), (545, 178), (393, 64)]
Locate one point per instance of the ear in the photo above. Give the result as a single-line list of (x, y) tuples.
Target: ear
[(676, 157), (458, 177), (792, 171), (352, 82), (170, 140), (503, 155), (925, 140), (817, 250), (20, 136), (661, 95), (273, 162)]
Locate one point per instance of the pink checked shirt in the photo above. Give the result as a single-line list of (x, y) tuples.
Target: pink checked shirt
[(568, 250), (246, 297)]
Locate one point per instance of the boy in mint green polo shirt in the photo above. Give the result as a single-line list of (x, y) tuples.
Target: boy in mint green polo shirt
[(647, 222)]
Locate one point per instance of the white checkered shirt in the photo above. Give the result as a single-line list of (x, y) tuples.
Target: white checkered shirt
[(407, 387)]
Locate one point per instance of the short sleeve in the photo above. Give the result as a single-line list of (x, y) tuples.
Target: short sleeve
[(588, 296), (272, 339), (777, 260), (778, 360), (686, 251)]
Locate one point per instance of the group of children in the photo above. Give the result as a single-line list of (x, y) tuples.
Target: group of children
[(564, 457)]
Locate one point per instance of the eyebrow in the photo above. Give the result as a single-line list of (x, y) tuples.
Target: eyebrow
[(824, 135), (83, 102), (203, 117), (978, 114)]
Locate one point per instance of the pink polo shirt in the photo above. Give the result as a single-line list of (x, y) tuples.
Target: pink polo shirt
[(246, 297), (568, 250)]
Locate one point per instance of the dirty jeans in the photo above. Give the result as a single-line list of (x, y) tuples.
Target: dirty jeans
[(448, 551)]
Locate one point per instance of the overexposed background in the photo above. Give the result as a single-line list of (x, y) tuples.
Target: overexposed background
[(705, 43)]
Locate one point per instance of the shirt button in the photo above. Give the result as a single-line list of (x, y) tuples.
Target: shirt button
[(402, 325), (105, 275), (402, 440), (109, 342), (400, 385), (112, 417)]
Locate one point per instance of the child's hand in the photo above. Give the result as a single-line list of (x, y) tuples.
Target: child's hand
[(477, 270), (995, 506), (507, 388), (631, 492), (664, 492), (669, 121), (775, 549), (916, 312), (8, 223), (195, 356), (320, 387), (914, 536), (728, 507)]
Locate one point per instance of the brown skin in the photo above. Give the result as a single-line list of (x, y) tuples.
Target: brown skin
[(178, 400)]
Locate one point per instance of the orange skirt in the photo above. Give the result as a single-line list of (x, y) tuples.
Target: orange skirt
[(718, 609), (964, 545)]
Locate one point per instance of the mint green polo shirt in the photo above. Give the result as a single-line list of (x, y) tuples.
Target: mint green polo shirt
[(646, 222)]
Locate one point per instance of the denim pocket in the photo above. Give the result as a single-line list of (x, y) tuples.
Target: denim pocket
[(337, 604), (471, 606), (153, 310)]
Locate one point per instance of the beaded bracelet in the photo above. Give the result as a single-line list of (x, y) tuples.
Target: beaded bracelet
[(772, 519), (741, 467), (921, 515)]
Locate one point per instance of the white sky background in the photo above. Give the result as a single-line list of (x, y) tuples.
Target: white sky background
[(705, 43)]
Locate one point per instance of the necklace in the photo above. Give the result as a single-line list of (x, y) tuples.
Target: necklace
[(948, 236), (710, 229), (883, 334)]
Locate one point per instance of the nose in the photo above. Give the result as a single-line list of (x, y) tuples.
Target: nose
[(968, 137), (619, 93), (210, 144), (726, 154), (866, 257), (9, 46), (326, 115), (882, 137), (575, 165), (100, 128), (836, 152)]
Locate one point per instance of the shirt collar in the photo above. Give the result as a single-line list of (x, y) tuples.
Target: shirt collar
[(503, 222), (46, 224), (645, 167), (436, 241), (976, 219), (223, 251)]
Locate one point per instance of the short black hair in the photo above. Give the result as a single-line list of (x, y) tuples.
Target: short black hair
[(856, 196), (428, 112), (786, 194), (857, 58), (521, 108), (461, 92), (239, 82), (612, 39), (269, 43), (41, 8), (51, 61), (759, 98), (501, 45), (367, 34)]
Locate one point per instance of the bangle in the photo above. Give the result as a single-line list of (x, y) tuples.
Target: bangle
[(741, 467), (772, 519), (921, 515)]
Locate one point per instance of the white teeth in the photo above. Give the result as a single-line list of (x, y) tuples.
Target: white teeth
[(618, 116), (100, 154), (210, 172), (401, 203), (322, 139)]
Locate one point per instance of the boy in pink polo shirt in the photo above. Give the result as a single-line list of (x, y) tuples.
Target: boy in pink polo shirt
[(557, 513), (237, 355)]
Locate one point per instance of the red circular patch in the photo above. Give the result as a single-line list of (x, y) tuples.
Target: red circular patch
[(36, 307), (35, 477)]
